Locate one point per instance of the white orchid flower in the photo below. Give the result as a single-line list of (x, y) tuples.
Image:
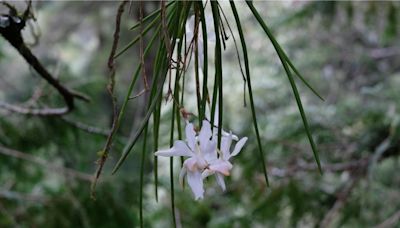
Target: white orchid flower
[(199, 150), (221, 167), (203, 157)]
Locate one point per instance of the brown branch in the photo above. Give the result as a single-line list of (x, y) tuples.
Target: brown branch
[(43, 163), (237, 53), (141, 55), (11, 31), (8, 215), (164, 28), (146, 85), (34, 111), (365, 164), (22, 197), (85, 127), (361, 170), (77, 204), (391, 221), (352, 166), (36, 95), (110, 88), (340, 202), (379, 53), (358, 169)]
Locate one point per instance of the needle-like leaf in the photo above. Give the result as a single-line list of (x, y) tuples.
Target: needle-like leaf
[(248, 79), (291, 80), (218, 70)]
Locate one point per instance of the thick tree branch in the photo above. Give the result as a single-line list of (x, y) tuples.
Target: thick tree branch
[(10, 28)]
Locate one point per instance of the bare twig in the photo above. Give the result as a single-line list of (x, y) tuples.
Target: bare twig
[(110, 88), (354, 165), (360, 172), (164, 29), (141, 54), (34, 111), (378, 153), (39, 90), (78, 206), (36, 95), (43, 163), (146, 85), (391, 221), (8, 215), (22, 197), (379, 53), (341, 200), (237, 53), (12, 33), (85, 127), (138, 94)]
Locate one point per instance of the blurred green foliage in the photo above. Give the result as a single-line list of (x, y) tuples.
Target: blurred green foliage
[(348, 50)]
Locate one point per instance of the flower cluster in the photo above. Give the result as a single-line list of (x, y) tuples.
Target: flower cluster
[(204, 159)]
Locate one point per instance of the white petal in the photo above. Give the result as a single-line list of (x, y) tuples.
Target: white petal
[(206, 173), (179, 149), (201, 162), (210, 152), (226, 142), (238, 146), (191, 164), (220, 181), (190, 136), (189, 26), (234, 137), (222, 167), (205, 134), (210, 28), (195, 182), (182, 174), (201, 54)]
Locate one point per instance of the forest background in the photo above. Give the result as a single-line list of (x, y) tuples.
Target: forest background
[(348, 51)]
